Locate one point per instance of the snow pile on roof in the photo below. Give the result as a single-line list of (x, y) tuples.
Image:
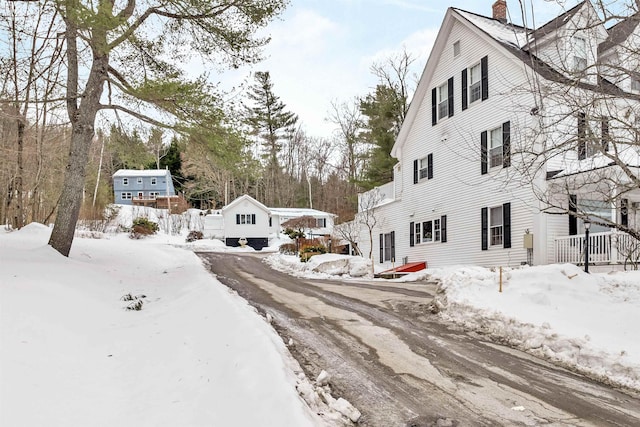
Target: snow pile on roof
[(298, 212), (141, 172), (505, 33), (629, 156)]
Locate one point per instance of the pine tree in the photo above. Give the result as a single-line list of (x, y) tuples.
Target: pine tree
[(271, 123)]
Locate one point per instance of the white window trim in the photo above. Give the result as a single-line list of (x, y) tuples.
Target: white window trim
[(387, 249), (500, 226), (139, 180), (125, 196), (154, 181), (443, 102), (245, 219), (474, 85), (125, 181), (419, 230), (498, 147), (456, 48), (580, 61), (423, 168)]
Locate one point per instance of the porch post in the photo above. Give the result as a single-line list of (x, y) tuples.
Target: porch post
[(613, 242)]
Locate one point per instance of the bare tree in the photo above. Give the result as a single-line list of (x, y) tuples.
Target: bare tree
[(368, 217), (134, 51), (584, 136)]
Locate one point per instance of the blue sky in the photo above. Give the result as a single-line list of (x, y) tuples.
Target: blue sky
[(322, 50)]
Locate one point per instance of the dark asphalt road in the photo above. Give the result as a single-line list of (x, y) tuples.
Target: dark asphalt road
[(401, 366)]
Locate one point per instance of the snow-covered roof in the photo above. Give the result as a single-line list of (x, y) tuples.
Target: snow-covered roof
[(504, 33), (144, 172), (298, 212), (629, 157)]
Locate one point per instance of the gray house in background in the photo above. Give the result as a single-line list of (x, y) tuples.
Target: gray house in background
[(130, 185)]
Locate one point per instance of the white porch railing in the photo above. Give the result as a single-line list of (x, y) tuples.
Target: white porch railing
[(609, 247)]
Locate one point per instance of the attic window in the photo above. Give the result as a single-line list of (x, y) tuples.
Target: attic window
[(456, 48), (579, 54)]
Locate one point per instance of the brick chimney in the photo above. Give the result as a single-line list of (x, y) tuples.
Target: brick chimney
[(500, 11)]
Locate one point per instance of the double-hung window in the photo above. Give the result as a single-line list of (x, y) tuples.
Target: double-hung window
[(125, 196), (635, 84), (154, 181), (475, 83), (495, 147), (427, 231), (443, 101), (496, 230), (579, 54), (424, 167), (139, 180), (243, 219), (125, 181)]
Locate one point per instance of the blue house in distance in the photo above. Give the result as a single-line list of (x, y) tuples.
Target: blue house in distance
[(141, 187)]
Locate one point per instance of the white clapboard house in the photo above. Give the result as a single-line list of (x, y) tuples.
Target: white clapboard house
[(466, 189), (246, 221)]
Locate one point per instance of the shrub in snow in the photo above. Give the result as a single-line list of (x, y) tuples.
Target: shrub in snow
[(142, 227), (194, 235), (135, 301), (288, 249), (307, 251)]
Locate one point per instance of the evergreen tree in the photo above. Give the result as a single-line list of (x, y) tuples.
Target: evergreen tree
[(271, 123)]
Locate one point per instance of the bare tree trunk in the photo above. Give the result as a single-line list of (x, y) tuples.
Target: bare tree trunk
[(82, 119)]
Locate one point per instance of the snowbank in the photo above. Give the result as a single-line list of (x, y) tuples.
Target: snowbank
[(321, 266)]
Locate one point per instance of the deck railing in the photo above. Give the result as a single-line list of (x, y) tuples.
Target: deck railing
[(610, 247)]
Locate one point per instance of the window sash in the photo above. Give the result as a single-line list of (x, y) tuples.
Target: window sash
[(496, 228), (579, 54), (125, 181), (430, 231), (443, 101), (387, 247), (495, 147), (475, 83), (154, 181), (424, 168)]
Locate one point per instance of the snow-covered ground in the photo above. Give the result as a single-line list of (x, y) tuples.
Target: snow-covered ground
[(586, 322), (72, 354)]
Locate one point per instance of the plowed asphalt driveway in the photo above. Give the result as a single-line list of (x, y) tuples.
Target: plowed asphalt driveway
[(402, 366)]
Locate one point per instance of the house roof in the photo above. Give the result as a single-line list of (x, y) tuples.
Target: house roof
[(298, 212), (246, 197), (620, 32), (557, 22), (514, 39), (144, 172)]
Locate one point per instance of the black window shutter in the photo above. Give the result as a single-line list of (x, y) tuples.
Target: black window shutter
[(506, 224), (430, 166), (484, 70), (393, 246), (237, 218), (381, 248), (270, 221), (415, 171), (464, 90), (573, 220), (624, 212), (485, 228), (434, 107), (412, 230), (253, 218), (450, 92), (443, 228), (506, 144), (483, 153), (582, 134), (605, 133)]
